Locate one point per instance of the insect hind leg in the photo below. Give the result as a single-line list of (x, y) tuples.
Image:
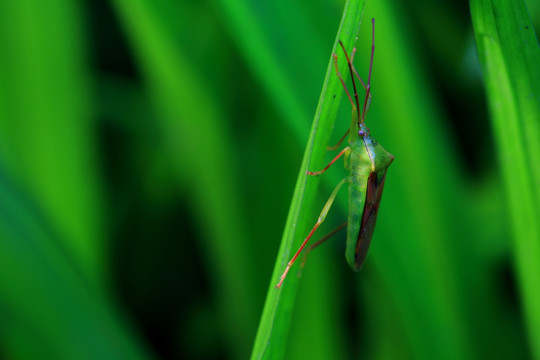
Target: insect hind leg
[(320, 220)]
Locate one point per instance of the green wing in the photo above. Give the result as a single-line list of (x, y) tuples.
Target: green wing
[(364, 198)]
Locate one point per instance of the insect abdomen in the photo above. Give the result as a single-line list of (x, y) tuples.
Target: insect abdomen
[(357, 196), (365, 191)]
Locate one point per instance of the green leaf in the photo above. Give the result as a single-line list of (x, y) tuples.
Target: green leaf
[(275, 322), (510, 56)]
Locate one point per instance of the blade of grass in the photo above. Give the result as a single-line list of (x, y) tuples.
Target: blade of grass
[(275, 321), (509, 55), (271, 37)]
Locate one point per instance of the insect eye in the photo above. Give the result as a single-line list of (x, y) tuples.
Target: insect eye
[(361, 133)]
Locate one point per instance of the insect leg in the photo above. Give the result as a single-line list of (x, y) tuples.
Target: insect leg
[(346, 150), (320, 241), (320, 220), (338, 73), (354, 70)]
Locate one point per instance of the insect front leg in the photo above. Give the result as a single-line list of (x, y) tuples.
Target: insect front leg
[(320, 220), (347, 150)]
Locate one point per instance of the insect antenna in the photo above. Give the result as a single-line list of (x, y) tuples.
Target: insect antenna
[(360, 79), (353, 83), (354, 108), (367, 99)]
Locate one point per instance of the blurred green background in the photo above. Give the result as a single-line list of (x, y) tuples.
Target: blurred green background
[(148, 155)]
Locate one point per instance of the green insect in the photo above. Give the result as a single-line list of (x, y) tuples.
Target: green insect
[(367, 162)]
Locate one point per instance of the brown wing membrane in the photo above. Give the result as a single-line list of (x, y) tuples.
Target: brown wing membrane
[(371, 208)]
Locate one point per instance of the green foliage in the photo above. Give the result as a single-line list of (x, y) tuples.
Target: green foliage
[(149, 151), (509, 54)]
